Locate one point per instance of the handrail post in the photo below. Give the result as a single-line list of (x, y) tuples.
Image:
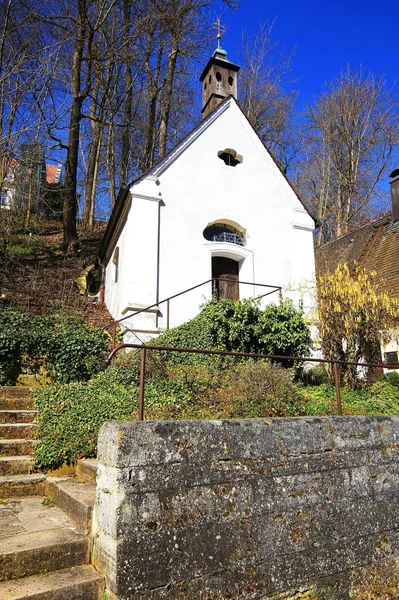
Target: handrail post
[(167, 313), (337, 389), (142, 383)]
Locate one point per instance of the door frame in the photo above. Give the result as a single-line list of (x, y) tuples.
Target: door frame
[(246, 266)]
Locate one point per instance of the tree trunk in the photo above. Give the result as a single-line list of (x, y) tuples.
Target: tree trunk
[(167, 98), (70, 201), (110, 163), (127, 109), (91, 177)]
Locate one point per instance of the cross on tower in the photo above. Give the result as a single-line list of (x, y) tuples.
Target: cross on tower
[(221, 30)]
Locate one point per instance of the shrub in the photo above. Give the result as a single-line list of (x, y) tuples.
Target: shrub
[(254, 389), (65, 349), (262, 389), (71, 415), (125, 368), (282, 330), (239, 327), (392, 377), (316, 375)]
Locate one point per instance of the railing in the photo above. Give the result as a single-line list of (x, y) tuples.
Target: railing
[(334, 363), (231, 238), (113, 324)]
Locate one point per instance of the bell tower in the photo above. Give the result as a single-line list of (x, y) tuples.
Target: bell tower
[(219, 78)]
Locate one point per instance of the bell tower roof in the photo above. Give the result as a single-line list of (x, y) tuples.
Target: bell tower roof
[(219, 80)]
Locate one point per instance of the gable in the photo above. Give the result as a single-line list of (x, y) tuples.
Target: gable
[(226, 128), (193, 170)]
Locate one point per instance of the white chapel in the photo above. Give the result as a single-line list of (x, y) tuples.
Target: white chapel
[(216, 206)]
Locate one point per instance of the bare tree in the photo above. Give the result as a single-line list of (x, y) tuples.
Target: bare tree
[(349, 137), (266, 104)]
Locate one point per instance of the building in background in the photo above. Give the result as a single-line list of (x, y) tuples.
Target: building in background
[(25, 181), (375, 247)]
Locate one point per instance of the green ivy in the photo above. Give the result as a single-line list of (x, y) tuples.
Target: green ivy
[(382, 398), (239, 327), (66, 349), (71, 415)]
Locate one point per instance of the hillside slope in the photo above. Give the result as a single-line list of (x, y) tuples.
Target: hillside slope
[(39, 278)]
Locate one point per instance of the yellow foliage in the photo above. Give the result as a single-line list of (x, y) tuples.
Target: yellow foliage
[(353, 312)]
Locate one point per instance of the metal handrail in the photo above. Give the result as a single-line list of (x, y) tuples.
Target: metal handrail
[(334, 362), (167, 300)]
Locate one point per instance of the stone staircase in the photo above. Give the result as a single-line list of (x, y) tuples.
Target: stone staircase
[(45, 522)]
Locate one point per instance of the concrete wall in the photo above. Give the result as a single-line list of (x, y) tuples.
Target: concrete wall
[(255, 509)]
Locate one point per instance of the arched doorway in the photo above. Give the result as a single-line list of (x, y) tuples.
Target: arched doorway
[(226, 271)]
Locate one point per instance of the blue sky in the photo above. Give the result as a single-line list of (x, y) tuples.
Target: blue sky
[(327, 36)]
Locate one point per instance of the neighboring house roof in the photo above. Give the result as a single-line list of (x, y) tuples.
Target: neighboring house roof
[(375, 246), (53, 173), (118, 212)]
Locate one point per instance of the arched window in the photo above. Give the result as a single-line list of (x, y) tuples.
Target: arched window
[(224, 232)]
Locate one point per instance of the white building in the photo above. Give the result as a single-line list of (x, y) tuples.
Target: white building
[(216, 205)]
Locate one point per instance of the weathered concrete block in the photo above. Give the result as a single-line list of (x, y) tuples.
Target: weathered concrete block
[(248, 509)]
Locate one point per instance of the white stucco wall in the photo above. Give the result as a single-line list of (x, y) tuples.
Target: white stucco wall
[(162, 249)]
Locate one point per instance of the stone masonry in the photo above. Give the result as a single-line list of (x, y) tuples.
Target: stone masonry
[(254, 509)]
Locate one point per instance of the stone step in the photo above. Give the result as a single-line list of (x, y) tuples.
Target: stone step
[(12, 486), (41, 551), (16, 403), (86, 468), (11, 465), (15, 391), (77, 583), (13, 431), (17, 447), (75, 497), (17, 416)]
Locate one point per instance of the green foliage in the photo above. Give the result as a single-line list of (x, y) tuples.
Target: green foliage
[(381, 398), (282, 330), (71, 415), (262, 389), (239, 327), (316, 375), (64, 349), (392, 377), (23, 247)]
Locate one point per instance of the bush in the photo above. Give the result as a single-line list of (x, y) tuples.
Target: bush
[(262, 389), (60, 350), (247, 389), (316, 375), (239, 327), (392, 377)]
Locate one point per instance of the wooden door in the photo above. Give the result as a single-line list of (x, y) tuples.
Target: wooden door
[(226, 271)]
